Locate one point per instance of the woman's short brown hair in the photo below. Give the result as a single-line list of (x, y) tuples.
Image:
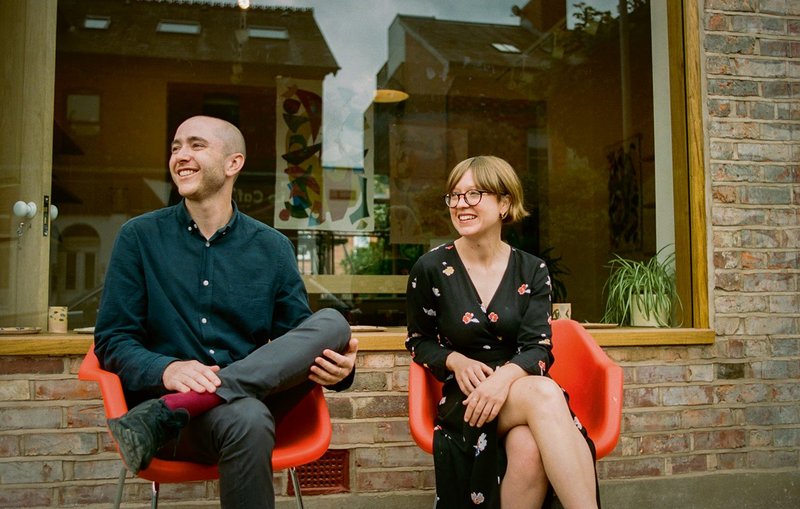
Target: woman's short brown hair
[(494, 174)]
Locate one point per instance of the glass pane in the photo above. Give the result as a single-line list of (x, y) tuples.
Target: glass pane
[(353, 118)]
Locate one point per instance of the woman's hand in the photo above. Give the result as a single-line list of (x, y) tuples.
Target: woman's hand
[(469, 373), (486, 401)]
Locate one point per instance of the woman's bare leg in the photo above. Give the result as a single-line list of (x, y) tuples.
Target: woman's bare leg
[(538, 403), (525, 484)]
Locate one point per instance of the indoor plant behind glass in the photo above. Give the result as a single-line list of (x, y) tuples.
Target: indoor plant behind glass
[(641, 293)]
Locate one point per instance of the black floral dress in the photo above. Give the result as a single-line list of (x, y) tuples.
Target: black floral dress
[(445, 314)]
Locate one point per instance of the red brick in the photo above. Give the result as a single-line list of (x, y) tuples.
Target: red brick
[(393, 430), (742, 393), (400, 380), (46, 444), (32, 471), (688, 464), (709, 417), (98, 468), (353, 432), (26, 497), (660, 374), (380, 406), (14, 365), (660, 444), (732, 461), (64, 389), (387, 480), (628, 468), (340, 407), (26, 417), (389, 457), (633, 422), (719, 439), (687, 396), (370, 381), (640, 397), (9, 446), (85, 416), (760, 438), (376, 360)]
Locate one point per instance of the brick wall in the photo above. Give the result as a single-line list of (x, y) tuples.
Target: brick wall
[(689, 412)]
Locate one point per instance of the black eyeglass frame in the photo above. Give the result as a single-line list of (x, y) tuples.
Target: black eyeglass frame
[(448, 198)]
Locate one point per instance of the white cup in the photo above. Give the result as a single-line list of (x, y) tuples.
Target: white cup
[(57, 319)]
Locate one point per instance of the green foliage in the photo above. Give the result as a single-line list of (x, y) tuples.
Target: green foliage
[(652, 280), (370, 259)]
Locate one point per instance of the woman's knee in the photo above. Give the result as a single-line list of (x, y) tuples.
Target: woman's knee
[(540, 391)]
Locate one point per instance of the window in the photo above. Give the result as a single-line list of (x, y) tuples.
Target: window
[(559, 98)]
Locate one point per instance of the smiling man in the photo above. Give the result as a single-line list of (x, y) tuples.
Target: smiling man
[(206, 320)]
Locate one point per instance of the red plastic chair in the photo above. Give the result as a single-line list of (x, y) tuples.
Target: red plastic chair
[(302, 436), (593, 381)]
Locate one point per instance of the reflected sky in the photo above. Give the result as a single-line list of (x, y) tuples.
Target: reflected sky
[(356, 31)]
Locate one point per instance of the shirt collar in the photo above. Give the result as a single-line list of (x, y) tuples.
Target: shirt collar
[(185, 219)]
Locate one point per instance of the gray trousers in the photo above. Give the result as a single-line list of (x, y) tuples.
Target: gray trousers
[(239, 435)]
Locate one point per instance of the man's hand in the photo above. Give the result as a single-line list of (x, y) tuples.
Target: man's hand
[(332, 367), (185, 376)]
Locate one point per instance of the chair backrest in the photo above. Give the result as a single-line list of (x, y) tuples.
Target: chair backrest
[(593, 381), (302, 435)]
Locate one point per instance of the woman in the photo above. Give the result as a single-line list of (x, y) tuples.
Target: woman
[(479, 319)]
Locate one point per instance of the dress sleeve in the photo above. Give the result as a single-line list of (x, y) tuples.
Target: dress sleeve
[(423, 329), (534, 341)]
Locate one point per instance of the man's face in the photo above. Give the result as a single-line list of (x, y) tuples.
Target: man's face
[(198, 159)]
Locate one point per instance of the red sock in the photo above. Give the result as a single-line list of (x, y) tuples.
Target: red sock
[(196, 403)]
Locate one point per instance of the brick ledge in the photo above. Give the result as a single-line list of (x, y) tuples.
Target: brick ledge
[(390, 340)]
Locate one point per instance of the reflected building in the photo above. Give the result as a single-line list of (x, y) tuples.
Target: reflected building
[(557, 98), (127, 74)]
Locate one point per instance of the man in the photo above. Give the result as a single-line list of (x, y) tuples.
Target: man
[(205, 319)]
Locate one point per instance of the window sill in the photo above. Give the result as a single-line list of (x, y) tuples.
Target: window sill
[(393, 338)]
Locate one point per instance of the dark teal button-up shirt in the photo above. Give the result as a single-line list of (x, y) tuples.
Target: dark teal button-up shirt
[(170, 294)]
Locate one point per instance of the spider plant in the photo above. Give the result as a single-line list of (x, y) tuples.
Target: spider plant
[(641, 287)]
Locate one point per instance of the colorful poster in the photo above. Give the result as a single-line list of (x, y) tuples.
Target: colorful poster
[(308, 195)]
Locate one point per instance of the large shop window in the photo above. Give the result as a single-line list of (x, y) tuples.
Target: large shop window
[(354, 116)]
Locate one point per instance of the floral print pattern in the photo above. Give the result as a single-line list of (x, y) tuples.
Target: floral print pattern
[(446, 314)]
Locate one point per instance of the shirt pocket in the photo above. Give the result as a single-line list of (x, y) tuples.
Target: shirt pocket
[(249, 305)]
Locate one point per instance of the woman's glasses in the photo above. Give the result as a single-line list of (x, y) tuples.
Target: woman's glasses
[(471, 198)]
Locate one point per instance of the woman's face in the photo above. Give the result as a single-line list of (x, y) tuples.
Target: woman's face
[(472, 220)]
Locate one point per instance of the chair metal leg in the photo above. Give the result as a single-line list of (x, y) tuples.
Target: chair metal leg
[(298, 497), (154, 496), (120, 486)]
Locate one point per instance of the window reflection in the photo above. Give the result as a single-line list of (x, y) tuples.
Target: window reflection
[(354, 116)]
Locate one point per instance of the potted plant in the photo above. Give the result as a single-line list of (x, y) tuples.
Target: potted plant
[(641, 293)]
